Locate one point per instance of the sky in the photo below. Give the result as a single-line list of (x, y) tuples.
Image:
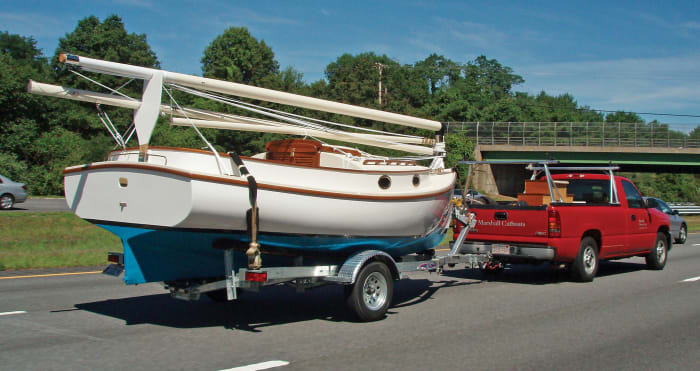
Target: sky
[(637, 56)]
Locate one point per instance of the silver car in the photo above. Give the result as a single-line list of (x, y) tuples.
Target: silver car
[(679, 230), (11, 193)]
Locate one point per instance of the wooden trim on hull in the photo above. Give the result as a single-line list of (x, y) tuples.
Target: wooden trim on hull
[(242, 183)]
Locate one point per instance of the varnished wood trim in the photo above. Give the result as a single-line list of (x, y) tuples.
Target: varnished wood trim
[(270, 187)]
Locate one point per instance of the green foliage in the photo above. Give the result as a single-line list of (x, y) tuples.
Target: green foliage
[(52, 152), (13, 168), (667, 186), (237, 56), (459, 148)]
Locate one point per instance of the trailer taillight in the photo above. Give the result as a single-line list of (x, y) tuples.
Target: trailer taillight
[(554, 222), (115, 257), (256, 276)]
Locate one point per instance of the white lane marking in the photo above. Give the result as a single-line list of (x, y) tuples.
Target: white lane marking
[(15, 312), (696, 244), (259, 366), (693, 279)]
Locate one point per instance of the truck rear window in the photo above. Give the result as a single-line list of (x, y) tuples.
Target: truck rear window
[(590, 191)]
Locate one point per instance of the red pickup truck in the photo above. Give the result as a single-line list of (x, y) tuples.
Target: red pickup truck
[(574, 218)]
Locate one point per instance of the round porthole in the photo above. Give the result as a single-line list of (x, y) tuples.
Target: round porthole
[(384, 182), (416, 180)]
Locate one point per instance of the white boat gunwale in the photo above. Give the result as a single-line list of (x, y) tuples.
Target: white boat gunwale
[(243, 183)]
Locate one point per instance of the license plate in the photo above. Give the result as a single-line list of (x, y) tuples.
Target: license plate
[(500, 249)]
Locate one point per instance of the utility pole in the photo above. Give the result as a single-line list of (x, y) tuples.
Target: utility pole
[(380, 67)]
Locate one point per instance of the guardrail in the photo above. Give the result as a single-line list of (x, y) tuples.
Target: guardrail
[(600, 134), (685, 208)]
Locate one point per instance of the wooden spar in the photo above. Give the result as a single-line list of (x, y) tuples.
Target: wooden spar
[(247, 91), (366, 139), (219, 120)]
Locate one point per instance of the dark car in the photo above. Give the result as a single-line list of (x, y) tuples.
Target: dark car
[(11, 193), (679, 230)]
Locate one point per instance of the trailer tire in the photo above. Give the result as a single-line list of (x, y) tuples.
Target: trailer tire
[(370, 297), (656, 259), (585, 266)]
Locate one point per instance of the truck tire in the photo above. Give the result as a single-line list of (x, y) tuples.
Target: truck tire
[(371, 294), (656, 259), (585, 266)]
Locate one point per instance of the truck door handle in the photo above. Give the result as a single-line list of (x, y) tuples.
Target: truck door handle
[(634, 217), (501, 215)]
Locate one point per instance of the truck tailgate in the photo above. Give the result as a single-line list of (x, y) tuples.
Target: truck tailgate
[(511, 223)]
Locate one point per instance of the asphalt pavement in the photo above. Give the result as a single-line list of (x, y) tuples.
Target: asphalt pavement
[(40, 205), (529, 317)]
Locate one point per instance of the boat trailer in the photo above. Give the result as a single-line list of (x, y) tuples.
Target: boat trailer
[(367, 275)]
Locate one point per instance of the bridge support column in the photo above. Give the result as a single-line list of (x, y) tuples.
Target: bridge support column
[(506, 180)]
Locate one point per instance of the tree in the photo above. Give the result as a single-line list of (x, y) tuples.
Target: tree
[(22, 116), (438, 72), (106, 40), (237, 56), (21, 48), (621, 116)]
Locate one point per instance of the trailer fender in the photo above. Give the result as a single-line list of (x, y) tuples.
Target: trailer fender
[(351, 268)]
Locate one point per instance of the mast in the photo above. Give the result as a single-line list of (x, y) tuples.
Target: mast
[(218, 120), (247, 91)]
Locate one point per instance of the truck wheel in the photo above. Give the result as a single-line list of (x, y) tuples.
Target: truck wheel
[(682, 235), (656, 259), (371, 295), (585, 266)]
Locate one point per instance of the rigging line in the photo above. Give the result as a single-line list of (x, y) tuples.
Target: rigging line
[(115, 135), (102, 113), (281, 117), (216, 153), (191, 91), (124, 84), (329, 122), (102, 85)]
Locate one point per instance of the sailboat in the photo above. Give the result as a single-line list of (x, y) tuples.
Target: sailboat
[(177, 209)]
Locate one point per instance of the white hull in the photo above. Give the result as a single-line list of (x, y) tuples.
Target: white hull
[(291, 199)]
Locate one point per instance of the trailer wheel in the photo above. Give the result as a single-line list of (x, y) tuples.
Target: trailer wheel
[(656, 259), (585, 266), (371, 295)]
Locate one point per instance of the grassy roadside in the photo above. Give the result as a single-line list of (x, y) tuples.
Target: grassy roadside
[(693, 222), (49, 240)]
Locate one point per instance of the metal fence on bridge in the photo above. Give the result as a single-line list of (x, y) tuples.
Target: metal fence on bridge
[(601, 134)]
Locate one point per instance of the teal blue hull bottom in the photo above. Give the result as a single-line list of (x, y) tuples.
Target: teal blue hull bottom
[(164, 255)]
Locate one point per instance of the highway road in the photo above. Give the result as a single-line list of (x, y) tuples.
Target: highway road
[(530, 317), (40, 205)]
